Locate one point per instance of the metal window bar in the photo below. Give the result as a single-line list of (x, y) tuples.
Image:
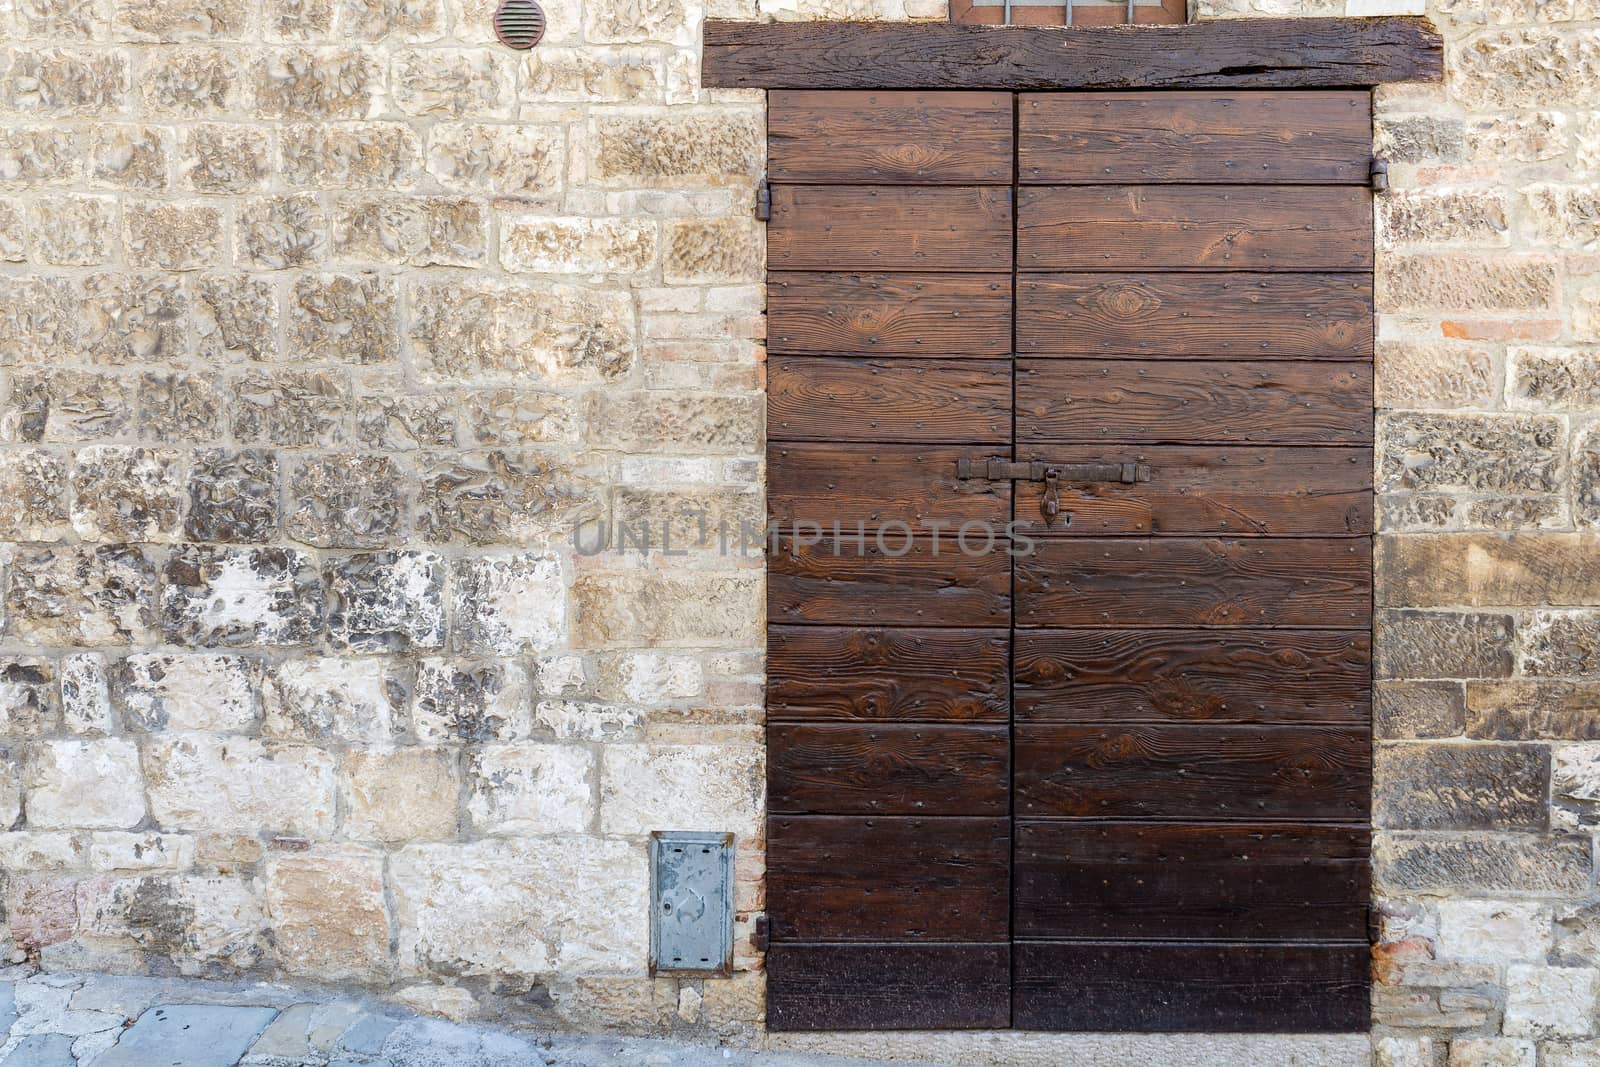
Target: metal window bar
[(1074, 12)]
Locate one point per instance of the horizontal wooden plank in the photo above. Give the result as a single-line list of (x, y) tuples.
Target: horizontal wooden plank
[(1194, 227), (1193, 772), (817, 399), (1197, 401), (1262, 676), (1182, 582), (1249, 54), (1124, 986), (888, 769), (832, 878), (916, 228), (1180, 881), (882, 675), (1234, 490), (888, 987), (845, 314), (871, 485), (911, 137), (841, 584), (1243, 316), (1233, 138)]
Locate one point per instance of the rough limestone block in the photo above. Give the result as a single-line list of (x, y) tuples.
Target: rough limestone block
[(569, 904), (1533, 709), (329, 920), (454, 83), (1560, 643), (134, 318), (355, 155), (463, 701), (1550, 1001), (66, 82), (235, 318), (73, 231), (122, 494), (506, 497), (481, 328), (657, 610), (1454, 864), (509, 605), (344, 318), (1508, 70), (86, 695), (190, 82), (1492, 1052), (595, 75), (399, 795), (345, 500), (274, 233), (541, 245), (1439, 786), (1505, 931), (530, 789), (30, 703), (433, 231), (316, 84), (247, 596), (216, 157), (81, 596), (32, 502), (233, 496), (527, 161), (84, 784), (1471, 453), (327, 699), (291, 407), (239, 784), (681, 787), (181, 407), (130, 157), (385, 601)]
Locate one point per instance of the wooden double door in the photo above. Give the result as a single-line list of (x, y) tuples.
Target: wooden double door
[(1069, 715)]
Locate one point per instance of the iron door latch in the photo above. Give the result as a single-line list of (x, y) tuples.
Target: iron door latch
[(1000, 470)]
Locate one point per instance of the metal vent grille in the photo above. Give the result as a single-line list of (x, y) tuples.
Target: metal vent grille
[(519, 24)]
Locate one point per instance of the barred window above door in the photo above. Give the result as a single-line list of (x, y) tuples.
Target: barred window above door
[(1070, 12)]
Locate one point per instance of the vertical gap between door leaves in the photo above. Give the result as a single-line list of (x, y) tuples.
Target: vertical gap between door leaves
[(1011, 637)]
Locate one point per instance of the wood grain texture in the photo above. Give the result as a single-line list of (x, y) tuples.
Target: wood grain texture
[(837, 585), (1182, 582), (872, 485), (1185, 771), (1239, 988), (883, 675), (1241, 54), (1194, 227), (888, 987), (817, 399), (838, 878), (1242, 316), (1200, 401), (1129, 676), (888, 769), (1230, 138), (914, 228), (1188, 882), (869, 137), (844, 314), (1238, 491)]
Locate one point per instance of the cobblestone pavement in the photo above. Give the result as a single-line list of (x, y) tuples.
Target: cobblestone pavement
[(54, 1020)]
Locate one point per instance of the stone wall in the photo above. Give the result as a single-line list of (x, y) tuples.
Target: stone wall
[(323, 321), (321, 324)]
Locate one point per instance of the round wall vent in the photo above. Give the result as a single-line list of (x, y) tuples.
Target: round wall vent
[(519, 24)]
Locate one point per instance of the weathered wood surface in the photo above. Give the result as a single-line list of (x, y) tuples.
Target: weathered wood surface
[(819, 673), (854, 314), (1132, 676), (1194, 227), (876, 484), (885, 878), (1242, 316), (1217, 137), (833, 583), (1279, 402), (1218, 988), (1184, 582), (1185, 881), (817, 399), (914, 228), (887, 137), (1242, 54), (888, 987), (1184, 771), (1238, 491), (888, 769)]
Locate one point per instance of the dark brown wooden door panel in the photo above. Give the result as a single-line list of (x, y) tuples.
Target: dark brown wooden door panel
[(1212, 137), (1285, 773), (1235, 491), (1183, 582), (888, 769), (831, 582), (862, 314), (916, 228), (1118, 780), (1194, 227), (1282, 402), (1242, 316), (1173, 987), (855, 484), (822, 673), (888, 987), (927, 138), (1190, 881), (1215, 676), (935, 400), (832, 878)]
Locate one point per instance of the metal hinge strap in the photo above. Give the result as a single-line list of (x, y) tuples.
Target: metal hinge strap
[(764, 200), (1379, 175), (999, 470)]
